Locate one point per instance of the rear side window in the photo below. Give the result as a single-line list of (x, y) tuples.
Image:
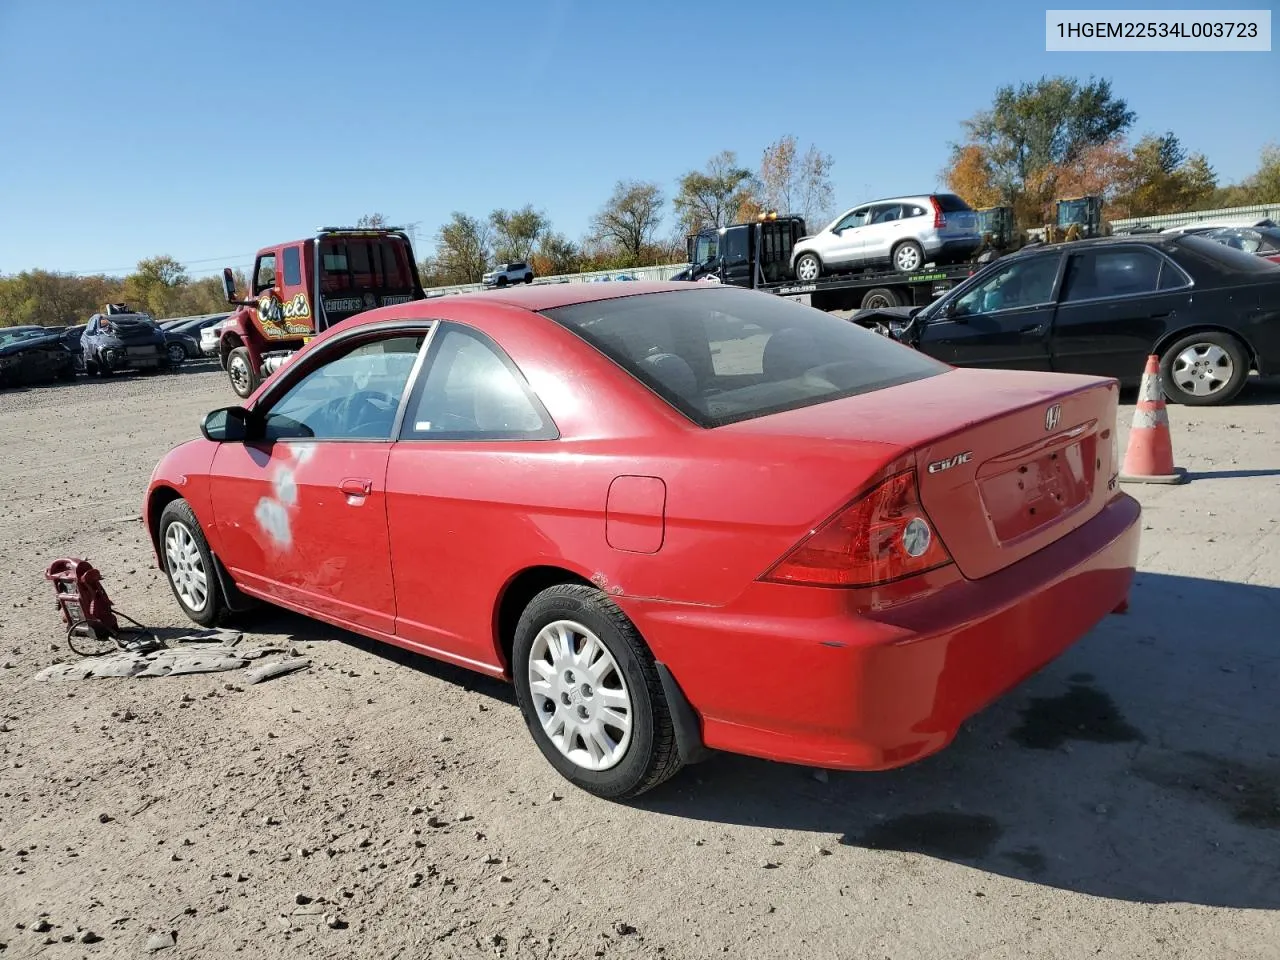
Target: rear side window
[(359, 265), (724, 355), (1112, 273), (950, 203)]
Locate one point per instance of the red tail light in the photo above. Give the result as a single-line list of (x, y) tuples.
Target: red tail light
[(939, 218), (882, 536)]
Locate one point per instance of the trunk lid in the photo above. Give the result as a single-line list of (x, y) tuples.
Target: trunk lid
[(1007, 461)]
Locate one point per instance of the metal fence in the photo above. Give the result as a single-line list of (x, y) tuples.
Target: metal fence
[(1255, 212), (664, 272)]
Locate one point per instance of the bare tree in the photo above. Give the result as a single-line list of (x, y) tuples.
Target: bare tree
[(791, 182), (518, 231), (712, 197), (372, 221), (462, 249), (629, 220)]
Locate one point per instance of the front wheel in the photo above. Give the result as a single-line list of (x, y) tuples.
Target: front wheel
[(188, 563), (808, 267), (908, 256), (176, 353), (244, 378), (528, 278), (590, 694), (1205, 368)]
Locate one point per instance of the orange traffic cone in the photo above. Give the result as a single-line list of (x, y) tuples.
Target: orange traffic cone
[(1149, 457)]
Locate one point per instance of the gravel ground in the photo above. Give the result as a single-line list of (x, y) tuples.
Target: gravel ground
[(1121, 803)]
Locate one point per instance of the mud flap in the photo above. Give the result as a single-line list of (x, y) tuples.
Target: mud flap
[(236, 601), (684, 719)]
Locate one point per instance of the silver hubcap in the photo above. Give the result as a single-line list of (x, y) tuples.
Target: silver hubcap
[(239, 371), (176, 353), (807, 268), (580, 695), (186, 569), (1202, 369), (908, 258)]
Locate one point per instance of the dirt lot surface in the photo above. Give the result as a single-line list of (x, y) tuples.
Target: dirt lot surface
[(1122, 803)]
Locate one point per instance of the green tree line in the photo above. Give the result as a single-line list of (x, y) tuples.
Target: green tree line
[(1059, 137)]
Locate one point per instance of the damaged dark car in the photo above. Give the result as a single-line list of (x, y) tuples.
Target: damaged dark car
[(114, 342), (33, 355)]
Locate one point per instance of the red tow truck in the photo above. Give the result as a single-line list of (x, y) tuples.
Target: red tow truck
[(303, 287)]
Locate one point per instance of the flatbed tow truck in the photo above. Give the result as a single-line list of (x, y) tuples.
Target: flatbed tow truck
[(757, 255)]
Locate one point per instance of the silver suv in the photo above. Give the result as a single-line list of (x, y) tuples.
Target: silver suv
[(904, 232)]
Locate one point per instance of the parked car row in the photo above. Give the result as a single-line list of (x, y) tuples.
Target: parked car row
[(114, 341)]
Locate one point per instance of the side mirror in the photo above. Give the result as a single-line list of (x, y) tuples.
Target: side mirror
[(229, 285), (227, 425)]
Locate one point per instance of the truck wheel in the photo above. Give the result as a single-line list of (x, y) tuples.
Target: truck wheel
[(878, 298), (908, 256), (1204, 368), (244, 379), (808, 267)]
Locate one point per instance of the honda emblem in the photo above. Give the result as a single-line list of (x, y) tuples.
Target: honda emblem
[(1053, 416)]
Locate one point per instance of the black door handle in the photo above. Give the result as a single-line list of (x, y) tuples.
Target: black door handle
[(1161, 316), (1033, 328)]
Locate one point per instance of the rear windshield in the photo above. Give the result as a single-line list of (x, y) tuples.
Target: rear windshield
[(1236, 261), (358, 265), (724, 355), (950, 203)]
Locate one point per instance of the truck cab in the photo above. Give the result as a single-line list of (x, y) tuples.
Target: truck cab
[(754, 254), (303, 287)]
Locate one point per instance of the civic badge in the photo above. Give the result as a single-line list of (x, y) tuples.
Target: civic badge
[(1053, 416)]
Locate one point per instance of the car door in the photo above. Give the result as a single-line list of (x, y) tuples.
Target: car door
[(844, 246), (884, 228), (472, 428), (300, 511), (1003, 320), (1116, 303)]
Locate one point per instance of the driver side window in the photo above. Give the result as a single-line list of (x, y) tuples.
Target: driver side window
[(354, 396), (265, 276), (1024, 283), (855, 219)]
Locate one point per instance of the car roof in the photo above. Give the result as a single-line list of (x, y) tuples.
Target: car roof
[(1165, 241), (548, 296)]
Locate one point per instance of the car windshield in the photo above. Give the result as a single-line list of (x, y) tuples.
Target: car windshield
[(724, 355), (1237, 261)]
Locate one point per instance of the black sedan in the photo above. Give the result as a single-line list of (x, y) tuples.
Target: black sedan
[(31, 355), (1211, 313)]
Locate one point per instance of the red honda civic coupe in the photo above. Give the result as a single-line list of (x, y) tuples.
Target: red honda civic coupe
[(678, 517)]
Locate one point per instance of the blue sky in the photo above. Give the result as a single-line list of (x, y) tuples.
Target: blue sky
[(206, 130)]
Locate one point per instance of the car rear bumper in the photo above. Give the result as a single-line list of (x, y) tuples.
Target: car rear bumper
[(789, 673)]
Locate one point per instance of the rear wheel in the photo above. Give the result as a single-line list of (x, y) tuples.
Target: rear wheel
[(908, 256), (880, 297), (1204, 368), (808, 267), (590, 693), (176, 353), (244, 379), (188, 562)]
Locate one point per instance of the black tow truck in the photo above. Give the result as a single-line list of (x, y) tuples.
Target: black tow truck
[(757, 255)]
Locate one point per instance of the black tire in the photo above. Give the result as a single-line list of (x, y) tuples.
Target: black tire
[(528, 278), (501, 281), (808, 257), (878, 298), (902, 252), (211, 611), (244, 378), (1200, 347), (91, 367), (67, 373), (651, 756), (177, 353)]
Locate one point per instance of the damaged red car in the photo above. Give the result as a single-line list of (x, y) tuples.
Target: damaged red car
[(677, 517)]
